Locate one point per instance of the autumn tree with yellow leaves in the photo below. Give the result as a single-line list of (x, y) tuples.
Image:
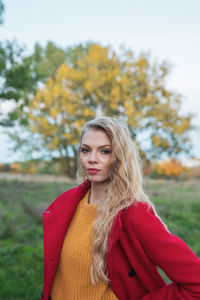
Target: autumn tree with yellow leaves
[(102, 82)]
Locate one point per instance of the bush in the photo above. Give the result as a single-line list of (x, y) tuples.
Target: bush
[(169, 169)]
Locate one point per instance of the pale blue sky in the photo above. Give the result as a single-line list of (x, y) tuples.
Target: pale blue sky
[(169, 30)]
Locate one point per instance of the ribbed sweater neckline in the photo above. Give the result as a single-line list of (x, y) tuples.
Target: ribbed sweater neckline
[(88, 208)]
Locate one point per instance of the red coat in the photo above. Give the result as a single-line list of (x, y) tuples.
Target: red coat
[(138, 243)]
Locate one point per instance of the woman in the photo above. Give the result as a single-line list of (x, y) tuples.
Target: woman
[(103, 239)]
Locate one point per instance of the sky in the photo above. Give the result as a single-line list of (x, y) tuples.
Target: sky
[(168, 30)]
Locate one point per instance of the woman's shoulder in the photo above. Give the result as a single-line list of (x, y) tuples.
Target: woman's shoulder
[(140, 208), (141, 215)]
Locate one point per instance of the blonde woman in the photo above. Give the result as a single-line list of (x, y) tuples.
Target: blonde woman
[(103, 239)]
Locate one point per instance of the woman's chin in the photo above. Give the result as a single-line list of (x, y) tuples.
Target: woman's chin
[(98, 180)]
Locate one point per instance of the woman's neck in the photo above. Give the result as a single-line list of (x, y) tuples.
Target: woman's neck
[(97, 192)]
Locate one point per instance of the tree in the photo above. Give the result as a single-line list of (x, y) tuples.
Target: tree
[(22, 74), (100, 82)]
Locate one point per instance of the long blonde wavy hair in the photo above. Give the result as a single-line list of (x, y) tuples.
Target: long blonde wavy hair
[(124, 188)]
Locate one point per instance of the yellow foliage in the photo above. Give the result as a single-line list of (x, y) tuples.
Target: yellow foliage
[(171, 168), (89, 86), (87, 112), (115, 95), (129, 111), (67, 135), (142, 62), (53, 112), (159, 141), (101, 79), (62, 72), (182, 127), (55, 141), (79, 124), (156, 141), (15, 167)]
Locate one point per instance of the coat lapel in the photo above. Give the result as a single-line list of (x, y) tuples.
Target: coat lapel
[(115, 231)]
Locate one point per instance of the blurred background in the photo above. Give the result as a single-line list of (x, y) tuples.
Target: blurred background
[(63, 63)]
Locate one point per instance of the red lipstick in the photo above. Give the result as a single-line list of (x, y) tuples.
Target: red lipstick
[(93, 171)]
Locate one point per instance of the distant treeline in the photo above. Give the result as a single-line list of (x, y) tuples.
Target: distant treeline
[(166, 169)]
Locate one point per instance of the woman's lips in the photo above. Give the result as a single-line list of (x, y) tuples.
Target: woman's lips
[(93, 171)]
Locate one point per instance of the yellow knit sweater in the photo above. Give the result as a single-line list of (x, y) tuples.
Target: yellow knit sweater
[(72, 280)]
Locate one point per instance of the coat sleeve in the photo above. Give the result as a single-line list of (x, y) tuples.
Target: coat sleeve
[(171, 254)]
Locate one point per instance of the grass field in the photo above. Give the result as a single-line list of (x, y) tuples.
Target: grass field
[(21, 206)]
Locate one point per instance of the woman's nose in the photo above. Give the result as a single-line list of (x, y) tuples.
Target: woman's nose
[(93, 156)]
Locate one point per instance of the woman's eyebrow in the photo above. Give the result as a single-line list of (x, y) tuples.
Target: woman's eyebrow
[(102, 146), (85, 145), (105, 146)]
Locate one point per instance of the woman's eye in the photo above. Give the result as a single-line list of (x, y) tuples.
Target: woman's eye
[(84, 150), (106, 151)]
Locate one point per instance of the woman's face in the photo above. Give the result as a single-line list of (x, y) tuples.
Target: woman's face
[(95, 155)]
